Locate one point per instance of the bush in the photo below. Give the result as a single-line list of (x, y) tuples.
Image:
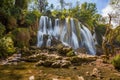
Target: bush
[(117, 40), (12, 23), (31, 17), (116, 62), (2, 30), (100, 31), (70, 53), (21, 37), (6, 46)]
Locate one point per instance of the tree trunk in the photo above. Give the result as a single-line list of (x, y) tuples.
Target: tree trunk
[(106, 44)]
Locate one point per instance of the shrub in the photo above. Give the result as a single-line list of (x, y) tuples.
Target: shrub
[(70, 53), (100, 31), (2, 30), (6, 46), (12, 23), (21, 37), (31, 17), (116, 62), (117, 40)]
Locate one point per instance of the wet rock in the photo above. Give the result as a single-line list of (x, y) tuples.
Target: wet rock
[(80, 78), (63, 50), (75, 68), (35, 58), (31, 78), (55, 79), (96, 73), (56, 64), (87, 73), (40, 63), (47, 63), (77, 60), (65, 64), (58, 58), (34, 48), (14, 58)]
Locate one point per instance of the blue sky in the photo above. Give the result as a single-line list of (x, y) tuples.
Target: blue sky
[(101, 4)]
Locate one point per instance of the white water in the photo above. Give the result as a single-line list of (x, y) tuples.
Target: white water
[(66, 33), (87, 40)]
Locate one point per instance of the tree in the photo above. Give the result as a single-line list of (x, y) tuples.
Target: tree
[(42, 4), (51, 6), (23, 4), (86, 13), (62, 3), (116, 13), (111, 34)]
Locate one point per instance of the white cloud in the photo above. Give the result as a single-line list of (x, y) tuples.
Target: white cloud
[(107, 10)]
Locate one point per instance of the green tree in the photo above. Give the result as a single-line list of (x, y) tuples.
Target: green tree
[(23, 4), (86, 13)]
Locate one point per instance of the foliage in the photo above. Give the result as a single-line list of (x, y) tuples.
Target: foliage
[(116, 62), (28, 18), (5, 7), (15, 12), (21, 37), (70, 53), (31, 17), (115, 4), (116, 40), (23, 4), (108, 43), (6, 46), (11, 23), (60, 14), (2, 30), (87, 14), (100, 31)]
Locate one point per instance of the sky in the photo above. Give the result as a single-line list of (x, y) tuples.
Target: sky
[(101, 4)]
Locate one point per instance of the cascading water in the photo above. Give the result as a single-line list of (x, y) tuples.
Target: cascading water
[(87, 40), (69, 33)]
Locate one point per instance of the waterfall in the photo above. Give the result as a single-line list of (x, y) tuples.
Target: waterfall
[(70, 33), (87, 40)]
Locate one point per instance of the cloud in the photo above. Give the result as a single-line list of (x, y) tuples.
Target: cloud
[(107, 10)]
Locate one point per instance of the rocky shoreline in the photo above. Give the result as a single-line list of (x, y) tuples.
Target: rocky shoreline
[(57, 58)]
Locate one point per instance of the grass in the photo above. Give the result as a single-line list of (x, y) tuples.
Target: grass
[(23, 71)]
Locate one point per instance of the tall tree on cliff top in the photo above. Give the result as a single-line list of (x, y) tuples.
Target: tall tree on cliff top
[(116, 13), (42, 4), (62, 4)]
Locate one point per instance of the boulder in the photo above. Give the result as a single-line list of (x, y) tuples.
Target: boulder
[(80, 78), (56, 64), (47, 63), (40, 63), (65, 64), (96, 73)]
